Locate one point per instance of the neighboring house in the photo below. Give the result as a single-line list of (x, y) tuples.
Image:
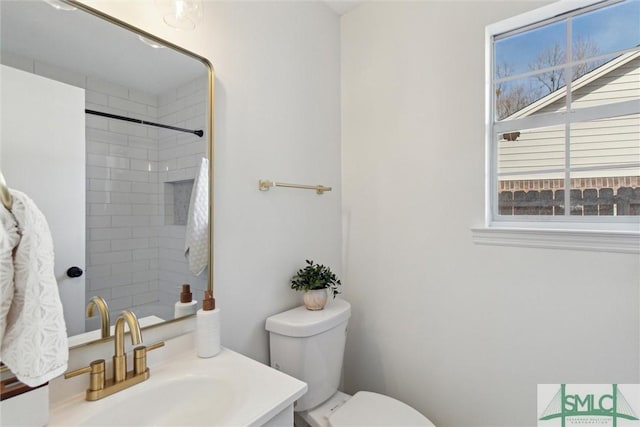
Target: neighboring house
[(610, 143)]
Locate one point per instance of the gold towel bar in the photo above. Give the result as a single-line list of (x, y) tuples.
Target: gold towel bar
[(265, 185)]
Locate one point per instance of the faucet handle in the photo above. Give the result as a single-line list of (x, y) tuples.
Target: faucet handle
[(140, 357), (97, 374)]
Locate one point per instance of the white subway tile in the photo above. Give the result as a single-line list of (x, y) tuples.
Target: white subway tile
[(111, 281), (94, 147), (101, 109), (109, 257), (130, 267), (134, 108), (99, 85), (129, 175), (144, 187), (98, 197), (145, 298), (126, 128), (130, 221), (108, 233), (143, 97), (99, 135), (126, 244), (96, 246), (107, 161), (104, 293), (146, 232), (144, 165), (94, 271), (187, 162), (171, 243), (96, 122), (145, 210), (176, 231), (156, 220), (144, 276), (118, 304), (96, 98), (109, 209), (129, 152), (97, 172), (129, 290), (109, 185), (149, 253), (97, 221), (143, 142)]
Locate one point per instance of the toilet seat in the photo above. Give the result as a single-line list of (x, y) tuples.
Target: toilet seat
[(372, 409)]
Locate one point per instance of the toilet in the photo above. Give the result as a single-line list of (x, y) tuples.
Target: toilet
[(309, 345)]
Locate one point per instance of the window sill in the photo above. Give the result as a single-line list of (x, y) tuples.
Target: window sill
[(582, 240)]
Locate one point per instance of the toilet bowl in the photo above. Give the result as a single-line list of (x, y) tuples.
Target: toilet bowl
[(364, 409), (309, 345)]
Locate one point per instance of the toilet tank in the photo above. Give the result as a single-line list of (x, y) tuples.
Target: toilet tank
[(309, 345)]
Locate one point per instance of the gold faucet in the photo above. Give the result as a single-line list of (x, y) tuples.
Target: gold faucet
[(119, 357), (98, 387), (99, 303)]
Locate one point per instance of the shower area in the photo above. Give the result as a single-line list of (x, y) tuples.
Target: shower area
[(139, 182)]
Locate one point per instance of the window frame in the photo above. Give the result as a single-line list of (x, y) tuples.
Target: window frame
[(604, 226)]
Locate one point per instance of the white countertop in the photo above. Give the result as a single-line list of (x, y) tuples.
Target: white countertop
[(229, 389)]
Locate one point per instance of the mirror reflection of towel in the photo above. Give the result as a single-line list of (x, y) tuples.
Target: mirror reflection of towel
[(196, 247), (33, 340)]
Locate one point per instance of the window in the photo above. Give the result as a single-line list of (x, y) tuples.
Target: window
[(563, 118)]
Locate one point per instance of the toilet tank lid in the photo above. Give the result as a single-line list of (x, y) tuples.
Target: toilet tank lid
[(300, 322)]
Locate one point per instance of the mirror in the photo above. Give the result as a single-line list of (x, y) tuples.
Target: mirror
[(115, 192)]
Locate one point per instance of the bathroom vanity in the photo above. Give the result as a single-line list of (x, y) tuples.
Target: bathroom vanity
[(185, 390)]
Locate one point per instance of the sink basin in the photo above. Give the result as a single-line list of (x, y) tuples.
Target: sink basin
[(200, 399), (184, 390)]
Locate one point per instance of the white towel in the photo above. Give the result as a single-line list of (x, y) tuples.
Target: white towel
[(33, 335), (196, 247)]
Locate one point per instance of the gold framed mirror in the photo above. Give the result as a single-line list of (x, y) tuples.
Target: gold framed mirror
[(136, 178)]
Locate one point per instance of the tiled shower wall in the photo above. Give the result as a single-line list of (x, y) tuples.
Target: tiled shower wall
[(136, 258), (179, 156), (123, 199)]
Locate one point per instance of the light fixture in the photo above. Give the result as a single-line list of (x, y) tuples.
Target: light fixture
[(60, 5), (181, 14)]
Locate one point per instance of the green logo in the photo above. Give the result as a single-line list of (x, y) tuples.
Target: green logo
[(588, 405)]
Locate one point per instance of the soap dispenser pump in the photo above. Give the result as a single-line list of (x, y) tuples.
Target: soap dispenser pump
[(186, 306)]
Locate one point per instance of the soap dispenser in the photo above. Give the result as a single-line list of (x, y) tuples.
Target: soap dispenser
[(208, 327), (186, 306)]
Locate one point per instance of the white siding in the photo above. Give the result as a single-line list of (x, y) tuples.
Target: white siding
[(605, 143)]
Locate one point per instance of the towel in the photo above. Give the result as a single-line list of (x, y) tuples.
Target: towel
[(33, 335), (196, 247)]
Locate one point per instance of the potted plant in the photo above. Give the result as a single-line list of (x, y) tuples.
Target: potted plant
[(315, 279)]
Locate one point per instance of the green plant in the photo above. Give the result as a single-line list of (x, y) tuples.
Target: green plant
[(315, 276)]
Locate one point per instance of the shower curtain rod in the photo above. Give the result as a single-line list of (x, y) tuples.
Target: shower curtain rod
[(200, 133)]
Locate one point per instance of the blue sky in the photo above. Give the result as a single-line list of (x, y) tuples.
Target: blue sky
[(612, 28)]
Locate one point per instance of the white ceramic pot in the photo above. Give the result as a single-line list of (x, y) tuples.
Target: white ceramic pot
[(315, 299)]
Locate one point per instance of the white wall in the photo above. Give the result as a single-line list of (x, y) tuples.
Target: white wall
[(462, 332), (277, 100)]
